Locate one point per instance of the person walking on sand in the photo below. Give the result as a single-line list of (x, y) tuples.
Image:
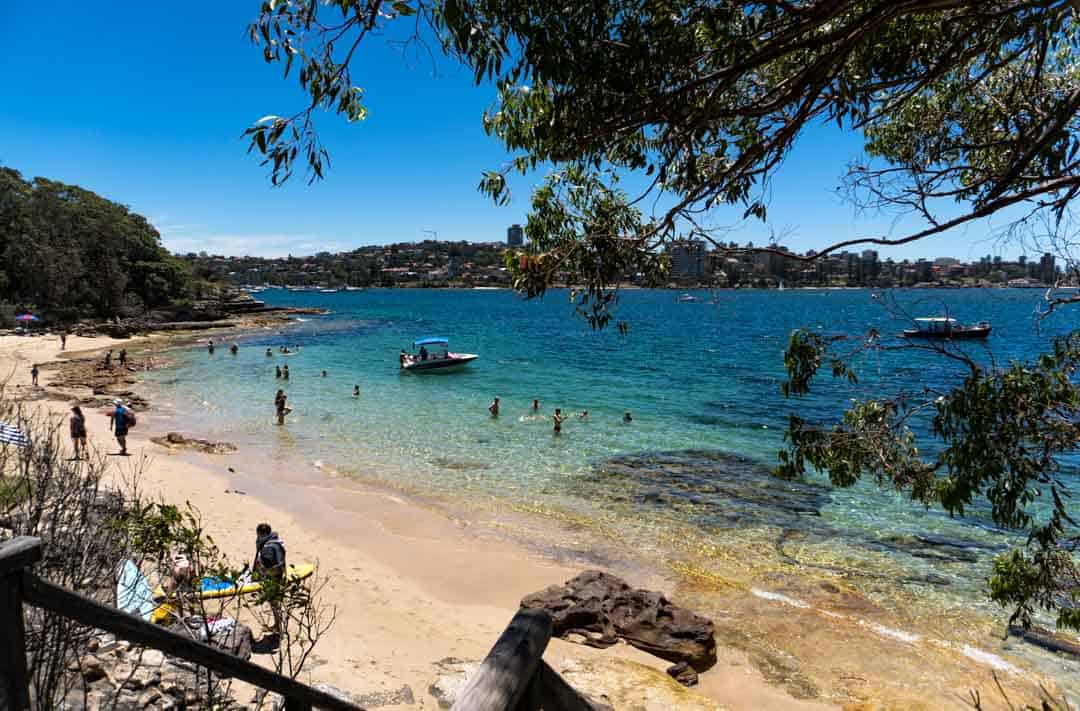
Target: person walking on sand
[(493, 408), (281, 405), (108, 359), (285, 371), (123, 357), (78, 431), (33, 375), (118, 423), (63, 341), (558, 418), (270, 567)]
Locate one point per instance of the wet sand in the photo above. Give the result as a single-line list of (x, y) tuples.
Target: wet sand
[(411, 585)]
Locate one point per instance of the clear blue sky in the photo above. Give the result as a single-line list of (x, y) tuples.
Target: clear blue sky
[(145, 102)]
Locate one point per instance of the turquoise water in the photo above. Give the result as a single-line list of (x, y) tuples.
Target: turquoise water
[(700, 377)]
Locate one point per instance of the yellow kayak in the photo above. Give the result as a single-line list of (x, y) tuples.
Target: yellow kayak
[(213, 588)]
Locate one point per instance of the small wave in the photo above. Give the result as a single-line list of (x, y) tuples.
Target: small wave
[(777, 597), (988, 658), (892, 633)]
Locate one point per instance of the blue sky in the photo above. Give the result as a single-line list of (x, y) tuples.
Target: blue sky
[(145, 102)]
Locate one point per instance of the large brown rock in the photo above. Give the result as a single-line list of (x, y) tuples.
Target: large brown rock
[(603, 608)]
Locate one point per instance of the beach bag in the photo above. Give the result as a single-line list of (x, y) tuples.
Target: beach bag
[(129, 418)]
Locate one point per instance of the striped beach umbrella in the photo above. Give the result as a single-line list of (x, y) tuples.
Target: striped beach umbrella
[(10, 434)]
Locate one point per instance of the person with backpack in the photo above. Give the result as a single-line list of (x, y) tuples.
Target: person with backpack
[(120, 421), (270, 566)]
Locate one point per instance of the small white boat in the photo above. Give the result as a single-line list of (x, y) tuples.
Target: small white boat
[(327, 290), (687, 299), (433, 356), (354, 288), (943, 328)]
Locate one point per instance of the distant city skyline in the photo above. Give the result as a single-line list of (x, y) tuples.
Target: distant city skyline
[(151, 116)]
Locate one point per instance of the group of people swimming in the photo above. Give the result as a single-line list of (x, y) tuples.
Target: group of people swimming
[(558, 418)]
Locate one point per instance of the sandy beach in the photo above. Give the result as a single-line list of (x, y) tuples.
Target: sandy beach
[(411, 586)]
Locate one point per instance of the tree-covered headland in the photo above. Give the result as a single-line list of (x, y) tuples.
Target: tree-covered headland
[(69, 253)]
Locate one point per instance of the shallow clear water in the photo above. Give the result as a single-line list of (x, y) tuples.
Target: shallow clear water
[(696, 376)]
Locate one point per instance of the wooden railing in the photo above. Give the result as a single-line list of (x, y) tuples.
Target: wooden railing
[(19, 585), (513, 676)]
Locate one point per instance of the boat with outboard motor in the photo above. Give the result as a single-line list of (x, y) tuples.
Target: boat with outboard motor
[(433, 356)]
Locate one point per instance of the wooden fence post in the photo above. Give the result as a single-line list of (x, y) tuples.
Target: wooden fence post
[(15, 555), (507, 671)]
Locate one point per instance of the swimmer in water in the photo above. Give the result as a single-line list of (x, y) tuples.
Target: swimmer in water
[(536, 405), (277, 371), (627, 419), (558, 419), (584, 415), (493, 408), (356, 391), (269, 352), (324, 373)]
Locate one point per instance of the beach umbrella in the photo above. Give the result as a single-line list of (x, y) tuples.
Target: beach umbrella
[(26, 318), (10, 434)]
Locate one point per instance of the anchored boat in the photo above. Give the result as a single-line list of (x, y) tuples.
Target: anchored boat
[(944, 328), (433, 356)]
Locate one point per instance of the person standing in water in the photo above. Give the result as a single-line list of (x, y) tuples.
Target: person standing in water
[(558, 418), (356, 391), (285, 371), (627, 419), (324, 373), (281, 406), (277, 371), (78, 431), (493, 408), (269, 353), (536, 405), (234, 349), (210, 346)]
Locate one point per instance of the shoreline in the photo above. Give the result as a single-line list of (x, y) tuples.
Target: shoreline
[(411, 585)]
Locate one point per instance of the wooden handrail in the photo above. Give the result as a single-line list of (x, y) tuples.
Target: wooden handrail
[(41, 593)]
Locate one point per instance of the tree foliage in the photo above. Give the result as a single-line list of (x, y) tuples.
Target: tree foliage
[(73, 253), (969, 102), (1000, 437)]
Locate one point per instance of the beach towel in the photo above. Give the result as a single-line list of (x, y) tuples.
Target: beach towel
[(10, 434)]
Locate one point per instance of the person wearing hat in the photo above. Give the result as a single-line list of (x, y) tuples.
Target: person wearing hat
[(118, 423), (78, 432)]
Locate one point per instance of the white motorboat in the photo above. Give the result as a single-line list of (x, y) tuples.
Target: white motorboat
[(433, 355)]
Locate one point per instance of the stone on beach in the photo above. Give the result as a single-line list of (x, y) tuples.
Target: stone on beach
[(603, 608), (175, 440)]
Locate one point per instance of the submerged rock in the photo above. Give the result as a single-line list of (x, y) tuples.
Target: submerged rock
[(714, 488), (603, 608), (175, 440), (624, 684)]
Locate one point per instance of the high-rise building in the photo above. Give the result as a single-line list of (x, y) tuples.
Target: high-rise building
[(1047, 269), (687, 258), (515, 236)]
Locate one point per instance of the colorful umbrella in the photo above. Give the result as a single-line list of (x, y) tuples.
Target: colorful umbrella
[(26, 318)]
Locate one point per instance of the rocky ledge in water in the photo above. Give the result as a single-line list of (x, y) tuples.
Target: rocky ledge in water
[(714, 488), (175, 440), (597, 609)]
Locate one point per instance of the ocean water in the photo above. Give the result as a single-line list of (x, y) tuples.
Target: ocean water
[(684, 488)]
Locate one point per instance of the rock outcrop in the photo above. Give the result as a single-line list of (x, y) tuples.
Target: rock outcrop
[(597, 609)]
